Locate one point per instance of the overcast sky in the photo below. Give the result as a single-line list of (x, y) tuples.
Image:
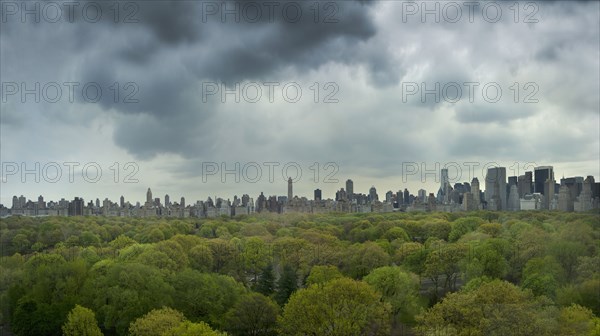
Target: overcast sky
[(163, 66)]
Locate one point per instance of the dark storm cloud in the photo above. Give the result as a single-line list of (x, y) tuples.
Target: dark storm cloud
[(235, 48), (174, 46)]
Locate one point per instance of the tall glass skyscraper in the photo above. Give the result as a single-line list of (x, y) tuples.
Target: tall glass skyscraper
[(541, 174)]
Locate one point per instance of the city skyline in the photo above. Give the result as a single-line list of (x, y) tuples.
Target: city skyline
[(501, 192), (305, 189)]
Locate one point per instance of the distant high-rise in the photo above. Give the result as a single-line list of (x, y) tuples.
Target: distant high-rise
[(167, 200), (549, 193), (350, 189), (290, 191), (467, 202), (495, 188), (565, 202), (514, 204), (476, 192), (584, 200), (76, 207), (406, 196), (525, 184), (444, 181), (373, 194), (422, 194), (122, 202), (182, 202), (444, 190), (317, 196), (340, 195), (541, 175), (399, 198), (149, 197)]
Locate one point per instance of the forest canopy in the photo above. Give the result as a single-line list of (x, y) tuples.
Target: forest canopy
[(471, 273)]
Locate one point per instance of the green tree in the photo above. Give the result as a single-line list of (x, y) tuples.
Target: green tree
[(462, 226), (201, 258), (156, 322), (254, 315), (575, 320), (322, 274), (362, 258), (566, 253), (255, 256), (399, 289), (121, 292), (341, 307), (396, 233), (444, 263), (81, 321), (205, 296), (188, 328), (121, 242), (542, 276), (494, 308)]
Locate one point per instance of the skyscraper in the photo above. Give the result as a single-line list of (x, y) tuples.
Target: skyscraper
[(76, 207), (422, 194), (525, 184), (149, 197), (350, 189), (167, 200), (476, 192), (541, 175), (495, 188), (565, 202), (290, 192), (317, 196), (399, 198), (373, 194), (514, 204), (444, 181), (549, 193)]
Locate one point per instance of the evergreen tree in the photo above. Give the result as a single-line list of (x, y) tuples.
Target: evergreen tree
[(266, 281), (287, 284)]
